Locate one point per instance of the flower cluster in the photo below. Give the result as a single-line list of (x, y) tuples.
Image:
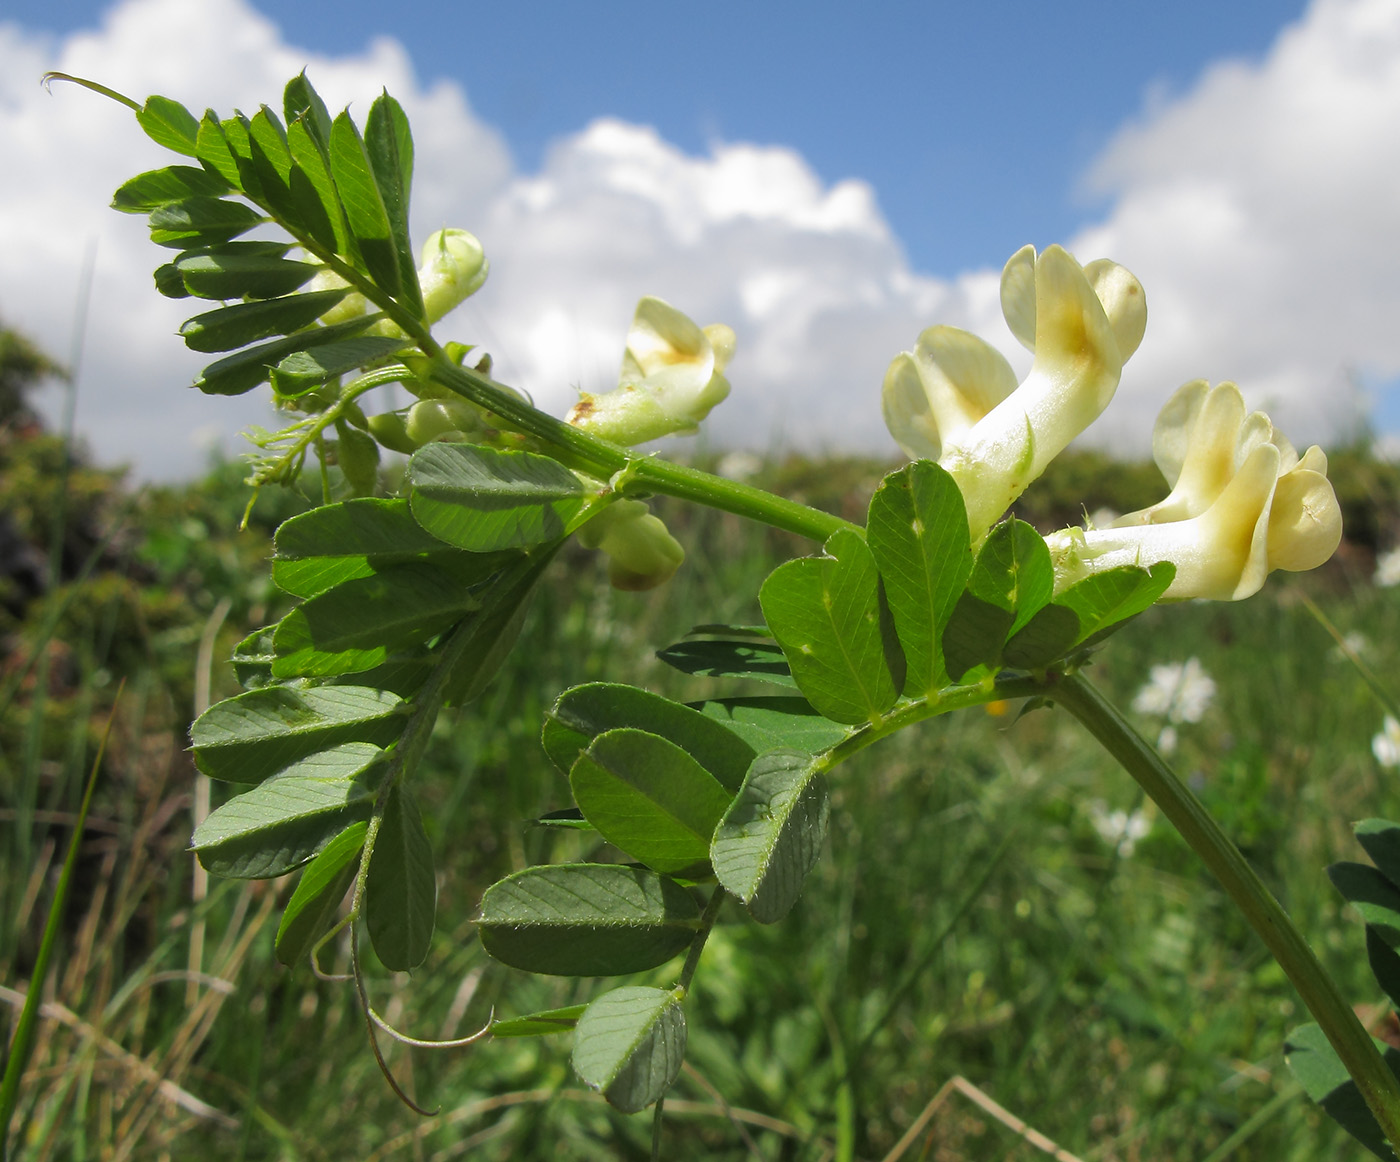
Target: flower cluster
[(1242, 502), (955, 399)]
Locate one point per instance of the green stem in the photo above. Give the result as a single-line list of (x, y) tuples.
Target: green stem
[(697, 945), (634, 473), (1319, 992)]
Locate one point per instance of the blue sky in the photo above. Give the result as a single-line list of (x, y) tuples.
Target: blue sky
[(828, 179), (974, 122)]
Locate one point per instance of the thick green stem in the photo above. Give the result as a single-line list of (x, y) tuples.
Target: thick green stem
[(1319, 992)]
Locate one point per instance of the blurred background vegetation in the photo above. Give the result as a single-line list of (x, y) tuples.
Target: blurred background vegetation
[(975, 916)]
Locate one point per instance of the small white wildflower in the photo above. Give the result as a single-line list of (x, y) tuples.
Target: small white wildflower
[(1177, 691), (1355, 643), (1386, 745), (1120, 829), (1388, 569)]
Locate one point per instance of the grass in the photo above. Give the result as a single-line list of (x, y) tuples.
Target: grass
[(967, 921)]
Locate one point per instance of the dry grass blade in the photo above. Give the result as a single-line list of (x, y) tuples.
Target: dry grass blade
[(988, 1105)]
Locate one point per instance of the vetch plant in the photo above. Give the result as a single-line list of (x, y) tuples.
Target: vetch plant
[(410, 602)]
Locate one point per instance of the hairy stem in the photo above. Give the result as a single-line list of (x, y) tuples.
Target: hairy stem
[(1318, 990)]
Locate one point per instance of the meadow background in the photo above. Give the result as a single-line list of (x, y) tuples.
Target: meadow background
[(995, 902)]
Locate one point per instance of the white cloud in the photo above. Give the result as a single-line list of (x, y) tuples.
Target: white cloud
[(1260, 211), (1258, 208)]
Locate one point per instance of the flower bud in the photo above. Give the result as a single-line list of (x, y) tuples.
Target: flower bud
[(391, 431), (436, 419), (671, 378), (955, 398), (453, 267), (1243, 503), (642, 553), (358, 457)]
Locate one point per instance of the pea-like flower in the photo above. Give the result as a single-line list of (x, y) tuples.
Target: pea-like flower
[(955, 398), (1242, 504), (672, 375), (641, 551)]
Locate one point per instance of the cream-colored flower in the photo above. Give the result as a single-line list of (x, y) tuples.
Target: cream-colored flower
[(1243, 503), (672, 375), (1386, 745), (955, 399)]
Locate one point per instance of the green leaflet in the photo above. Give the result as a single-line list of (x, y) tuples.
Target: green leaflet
[(1047, 636), (917, 532), (198, 222), (237, 270), (353, 527), (539, 1024), (360, 623), (176, 183), (776, 723), (761, 661), (170, 124), (401, 892), (246, 738), (772, 834), (481, 499), (1381, 840), (1371, 894), (244, 370), (301, 103), (1315, 1064), (584, 712), (252, 659), (229, 328), (650, 799), (364, 206), (312, 191), (285, 820), (1011, 581), (1106, 600), (828, 615), (389, 147), (315, 904), (585, 919), (301, 371), (629, 1044)]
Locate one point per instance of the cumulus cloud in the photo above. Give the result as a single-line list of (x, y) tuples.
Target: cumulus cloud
[(1258, 208), (1261, 210)]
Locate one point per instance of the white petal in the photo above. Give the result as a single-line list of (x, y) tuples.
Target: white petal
[(1171, 435), (906, 408)]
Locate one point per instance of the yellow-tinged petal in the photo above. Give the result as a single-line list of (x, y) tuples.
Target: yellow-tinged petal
[(1018, 295), (1124, 302), (1305, 522)]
